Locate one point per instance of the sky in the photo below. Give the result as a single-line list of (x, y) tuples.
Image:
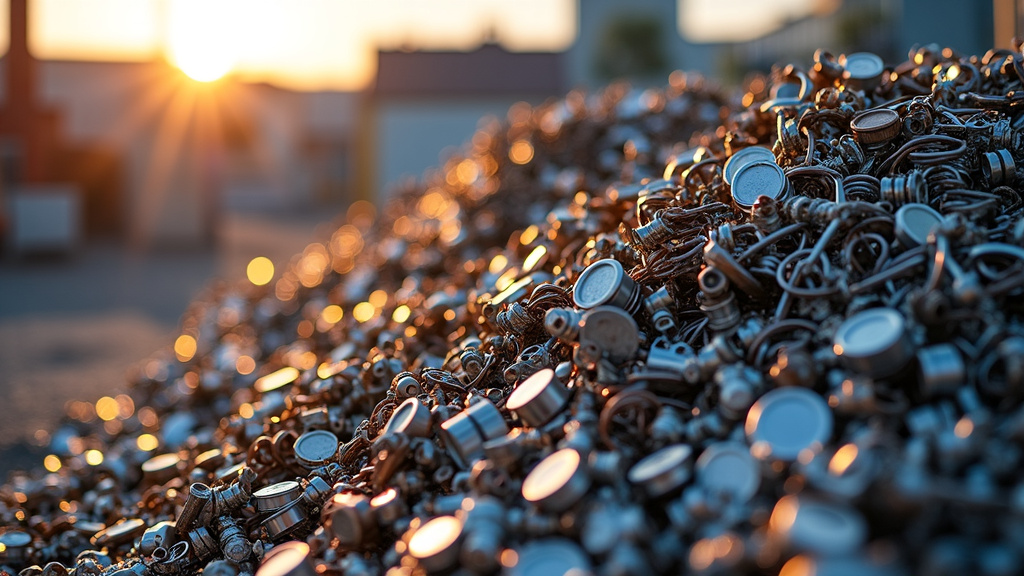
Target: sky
[(330, 44)]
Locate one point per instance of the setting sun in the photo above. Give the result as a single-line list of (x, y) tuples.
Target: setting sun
[(201, 38)]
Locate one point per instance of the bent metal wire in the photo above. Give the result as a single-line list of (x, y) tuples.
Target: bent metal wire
[(629, 332)]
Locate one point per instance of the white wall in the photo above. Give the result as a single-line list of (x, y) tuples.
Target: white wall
[(412, 136)]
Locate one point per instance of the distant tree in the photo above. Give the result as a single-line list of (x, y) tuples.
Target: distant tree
[(631, 46)]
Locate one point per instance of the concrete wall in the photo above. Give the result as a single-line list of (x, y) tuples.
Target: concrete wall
[(412, 136)]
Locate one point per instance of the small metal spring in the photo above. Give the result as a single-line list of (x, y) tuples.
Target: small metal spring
[(862, 187), (649, 237), (804, 209), (516, 319)]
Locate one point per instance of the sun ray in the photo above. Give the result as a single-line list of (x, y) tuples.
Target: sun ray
[(173, 128)]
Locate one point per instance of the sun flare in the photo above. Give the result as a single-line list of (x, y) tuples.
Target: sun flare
[(201, 38)]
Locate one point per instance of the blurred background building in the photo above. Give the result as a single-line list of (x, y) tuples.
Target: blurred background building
[(159, 143), (137, 151)]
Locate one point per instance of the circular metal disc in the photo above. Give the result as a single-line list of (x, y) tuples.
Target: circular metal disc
[(875, 126), (276, 496), (875, 119), (863, 65), (664, 470), (557, 482), (786, 421), (316, 447), (15, 539), (819, 527), (539, 398), (435, 543), (120, 532), (914, 222), (411, 417), (285, 559), (550, 557), (598, 284), (743, 157), (873, 341), (728, 468), (611, 330), (757, 179), (529, 389), (161, 463)]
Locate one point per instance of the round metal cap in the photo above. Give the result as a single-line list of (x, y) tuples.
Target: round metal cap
[(862, 70), (287, 559), (759, 179), (285, 520), (436, 543), (161, 468), (119, 533), (610, 331), (875, 126), (461, 439), (349, 519), (277, 496), (538, 399), (785, 422), (15, 539), (874, 342), (557, 482), (728, 469), (411, 418), (488, 420), (827, 529), (606, 282), (210, 460), (663, 471), (315, 448), (914, 222), (550, 557), (743, 157)]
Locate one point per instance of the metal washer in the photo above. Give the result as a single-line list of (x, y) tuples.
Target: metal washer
[(315, 448), (785, 422)]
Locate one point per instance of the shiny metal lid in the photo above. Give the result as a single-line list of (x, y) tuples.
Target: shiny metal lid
[(610, 332), (276, 496), (914, 222), (557, 482), (785, 422), (875, 126), (316, 448), (436, 543), (549, 557), (818, 527), (743, 157), (761, 178), (287, 559), (285, 520), (727, 468), (605, 282), (874, 342), (411, 418), (663, 471), (538, 399)]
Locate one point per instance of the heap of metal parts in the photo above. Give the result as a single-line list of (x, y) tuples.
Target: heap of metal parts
[(633, 332)]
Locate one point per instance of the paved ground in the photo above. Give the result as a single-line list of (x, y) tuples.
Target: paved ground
[(70, 329)]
